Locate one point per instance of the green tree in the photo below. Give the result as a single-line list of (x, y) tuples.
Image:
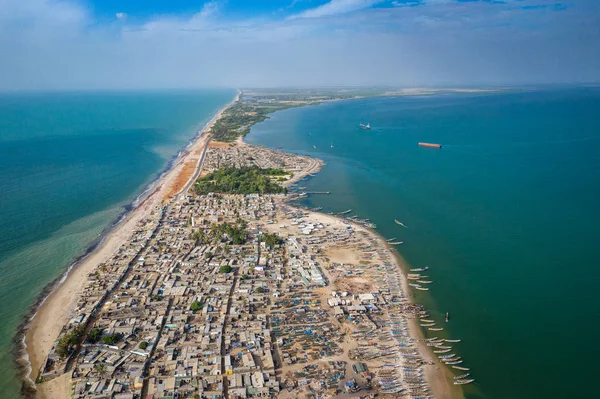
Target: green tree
[(100, 368), (112, 339), (260, 290), (67, 343), (94, 335), (143, 345), (196, 306), (244, 180), (225, 269), (271, 240)]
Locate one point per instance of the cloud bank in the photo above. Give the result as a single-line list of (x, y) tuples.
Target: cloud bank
[(52, 44)]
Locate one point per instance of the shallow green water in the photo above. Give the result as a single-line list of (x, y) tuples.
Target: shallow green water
[(505, 214), (69, 164)]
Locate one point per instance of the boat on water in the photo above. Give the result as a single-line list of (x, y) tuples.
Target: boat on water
[(447, 356), (331, 145), (461, 368), (455, 362), (436, 329), (443, 351), (314, 146), (423, 289), (420, 269), (424, 281), (463, 382), (345, 212), (400, 223), (397, 243), (447, 317), (365, 127), (428, 321), (452, 340), (428, 325), (430, 145), (391, 239), (462, 376)]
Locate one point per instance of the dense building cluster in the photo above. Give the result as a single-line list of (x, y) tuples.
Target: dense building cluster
[(186, 310)]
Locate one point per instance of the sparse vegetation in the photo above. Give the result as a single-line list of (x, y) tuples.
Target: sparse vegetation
[(271, 240), (239, 118), (66, 343)]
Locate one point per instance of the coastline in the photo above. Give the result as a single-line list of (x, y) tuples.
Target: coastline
[(50, 312), (439, 377), (42, 328)]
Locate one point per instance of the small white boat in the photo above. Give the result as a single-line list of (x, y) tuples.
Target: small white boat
[(461, 368), (400, 223), (463, 382)]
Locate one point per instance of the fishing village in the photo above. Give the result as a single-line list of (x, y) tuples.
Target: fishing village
[(226, 289)]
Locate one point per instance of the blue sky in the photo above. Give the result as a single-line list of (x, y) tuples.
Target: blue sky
[(77, 44)]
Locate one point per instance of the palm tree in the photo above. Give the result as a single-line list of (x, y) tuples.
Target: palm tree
[(100, 368)]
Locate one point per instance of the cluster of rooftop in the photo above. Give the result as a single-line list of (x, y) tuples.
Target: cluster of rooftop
[(240, 296)]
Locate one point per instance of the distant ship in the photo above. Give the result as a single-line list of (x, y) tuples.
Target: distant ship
[(430, 145), (365, 127)]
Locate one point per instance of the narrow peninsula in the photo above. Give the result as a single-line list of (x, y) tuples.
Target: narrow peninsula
[(216, 286)]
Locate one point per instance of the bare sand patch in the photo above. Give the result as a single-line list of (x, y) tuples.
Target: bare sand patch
[(343, 255), (220, 144)]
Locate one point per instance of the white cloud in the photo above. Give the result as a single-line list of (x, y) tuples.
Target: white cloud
[(49, 44), (336, 7), (121, 16)]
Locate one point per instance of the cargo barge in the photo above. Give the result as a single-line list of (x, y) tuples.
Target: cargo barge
[(431, 145)]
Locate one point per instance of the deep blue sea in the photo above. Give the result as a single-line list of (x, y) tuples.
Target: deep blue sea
[(69, 165), (506, 214)]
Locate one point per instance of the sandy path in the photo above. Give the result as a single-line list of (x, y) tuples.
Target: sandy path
[(54, 313)]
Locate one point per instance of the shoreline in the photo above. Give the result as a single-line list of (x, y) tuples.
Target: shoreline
[(49, 313), (58, 300), (438, 376)]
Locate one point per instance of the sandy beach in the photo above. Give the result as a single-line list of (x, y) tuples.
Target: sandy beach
[(45, 326), (439, 378), (57, 308)]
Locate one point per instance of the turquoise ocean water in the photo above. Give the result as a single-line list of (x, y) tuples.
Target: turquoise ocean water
[(69, 165), (506, 215)]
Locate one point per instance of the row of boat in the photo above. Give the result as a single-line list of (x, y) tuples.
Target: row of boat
[(443, 351)]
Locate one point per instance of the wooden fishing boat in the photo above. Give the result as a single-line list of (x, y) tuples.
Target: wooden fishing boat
[(463, 382)]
